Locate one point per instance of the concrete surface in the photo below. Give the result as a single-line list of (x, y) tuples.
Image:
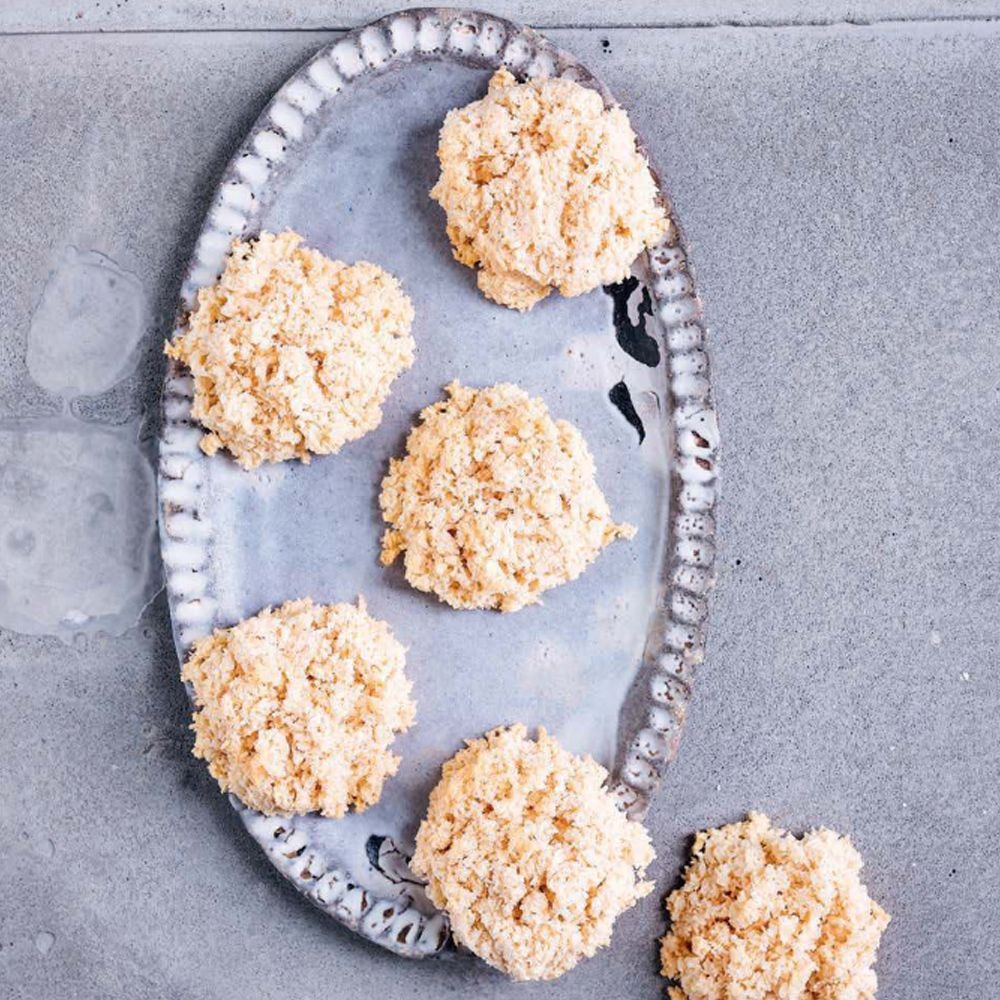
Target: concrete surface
[(839, 190), (284, 15)]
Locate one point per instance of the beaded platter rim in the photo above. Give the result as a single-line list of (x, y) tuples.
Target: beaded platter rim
[(675, 643)]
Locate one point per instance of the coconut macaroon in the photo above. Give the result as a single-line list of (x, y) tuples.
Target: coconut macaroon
[(494, 501), (293, 353), (544, 188), (525, 849), (762, 914), (296, 708)]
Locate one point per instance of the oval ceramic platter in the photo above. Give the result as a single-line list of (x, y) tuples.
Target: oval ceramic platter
[(345, 154)]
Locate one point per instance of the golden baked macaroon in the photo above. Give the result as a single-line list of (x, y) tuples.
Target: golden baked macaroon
[(762, 913), (494, 502), (544, 187), (525, 849), (293, 353), (296, 707)]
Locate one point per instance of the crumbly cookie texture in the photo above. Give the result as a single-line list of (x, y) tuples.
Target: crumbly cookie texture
[(293, 353), (524, 847), (763, 914), (494, 501), (544, 188), (296, 708)]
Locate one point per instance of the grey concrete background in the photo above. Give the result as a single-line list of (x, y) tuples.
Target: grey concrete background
[(839, 189), (27, 16)]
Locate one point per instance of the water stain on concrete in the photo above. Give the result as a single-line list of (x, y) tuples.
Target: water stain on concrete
[(88, 322), (78, 495), (77, 546)]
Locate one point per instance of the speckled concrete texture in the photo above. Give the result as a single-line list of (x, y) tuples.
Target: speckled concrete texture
[(282, 15), (839, 189)]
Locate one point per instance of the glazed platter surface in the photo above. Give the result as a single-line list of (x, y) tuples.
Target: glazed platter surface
[(345, 155)]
